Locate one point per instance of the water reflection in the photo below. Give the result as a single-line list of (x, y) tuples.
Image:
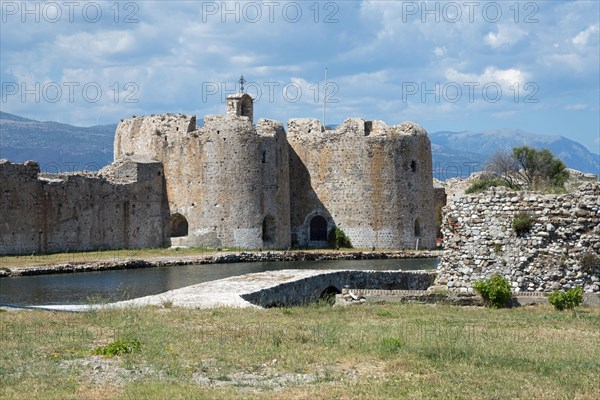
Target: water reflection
[(81, 288)]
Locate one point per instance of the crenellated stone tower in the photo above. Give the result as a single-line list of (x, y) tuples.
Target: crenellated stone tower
[(227, 182), (231, 183), (371, 180)]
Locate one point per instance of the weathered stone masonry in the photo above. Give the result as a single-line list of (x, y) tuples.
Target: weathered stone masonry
[(120, 207), (372, 180), (480, 241), (230, 183)]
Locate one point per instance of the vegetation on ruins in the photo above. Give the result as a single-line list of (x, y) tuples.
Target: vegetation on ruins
[(524, 168), (495, 291), (566, 300), (589, 261), (337, 239), (529, 168), (522, 223), (482, 185)]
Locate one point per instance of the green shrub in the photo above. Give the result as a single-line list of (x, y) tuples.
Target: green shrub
[(389, 346), (482, 185), (522, 223), (589, 261), (566, 300), (118, 347), (337, 238), (495, 291)]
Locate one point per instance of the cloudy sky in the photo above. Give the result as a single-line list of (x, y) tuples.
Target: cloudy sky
[(456, 66)]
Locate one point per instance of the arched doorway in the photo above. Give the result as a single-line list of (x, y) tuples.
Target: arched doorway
[(179, 226), (318, 229)]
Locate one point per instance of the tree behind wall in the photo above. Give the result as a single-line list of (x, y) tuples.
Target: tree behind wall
[(539, 168), (535, 169)]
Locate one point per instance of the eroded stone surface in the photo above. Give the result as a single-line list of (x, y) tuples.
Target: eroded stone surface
[(230, 183), (558, 252)]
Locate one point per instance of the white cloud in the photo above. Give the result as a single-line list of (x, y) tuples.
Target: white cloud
[(98, 44), (440, 51), (504, 77), (506, 36), (581, 39)]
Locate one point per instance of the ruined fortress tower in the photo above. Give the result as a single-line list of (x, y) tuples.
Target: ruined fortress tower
[(230, 183)]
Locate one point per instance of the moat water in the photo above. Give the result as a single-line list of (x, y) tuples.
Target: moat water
[(94, 287)]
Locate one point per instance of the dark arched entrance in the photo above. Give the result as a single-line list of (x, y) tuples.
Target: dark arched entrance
[(179, 226), (328, 295), (268, 229), (318, 229)]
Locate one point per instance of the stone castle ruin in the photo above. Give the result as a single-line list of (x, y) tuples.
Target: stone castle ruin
[(230, 183)]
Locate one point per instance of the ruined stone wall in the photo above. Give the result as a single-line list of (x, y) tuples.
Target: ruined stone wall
[(120, 207), (229, 179), (560, 251), (372, 181)]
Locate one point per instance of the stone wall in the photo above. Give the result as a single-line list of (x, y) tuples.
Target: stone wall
[(231, 184), (314, 288), (228, 179), (371, 180), (480, 241), (119, 207)]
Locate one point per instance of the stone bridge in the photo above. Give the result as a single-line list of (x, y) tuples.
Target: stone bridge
[(275, 288)]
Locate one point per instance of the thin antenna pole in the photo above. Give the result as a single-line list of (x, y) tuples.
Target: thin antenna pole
[(325, 98)]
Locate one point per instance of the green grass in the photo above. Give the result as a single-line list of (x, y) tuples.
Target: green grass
[(20, 261), (482, 185), (101, 255), (367, 352)]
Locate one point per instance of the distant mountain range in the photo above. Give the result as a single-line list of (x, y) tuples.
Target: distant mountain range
[(56, 147), (455, 153), (61, 147)]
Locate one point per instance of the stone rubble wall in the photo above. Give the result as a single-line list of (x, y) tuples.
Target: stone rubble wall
[(122, 206), (235, 184), (479, 240), (371, 180)]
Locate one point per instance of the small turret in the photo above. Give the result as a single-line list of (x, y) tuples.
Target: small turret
[(241, 105)]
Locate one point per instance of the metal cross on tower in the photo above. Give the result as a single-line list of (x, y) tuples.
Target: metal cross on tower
[(242, 81)]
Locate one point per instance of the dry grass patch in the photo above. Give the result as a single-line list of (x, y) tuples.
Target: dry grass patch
[(306, 352)]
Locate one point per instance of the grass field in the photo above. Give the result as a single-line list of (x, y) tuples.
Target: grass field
[(21, 261), (365, 352), (25, 261), (102, 255)]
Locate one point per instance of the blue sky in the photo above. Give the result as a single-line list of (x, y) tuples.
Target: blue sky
[(463, 65)]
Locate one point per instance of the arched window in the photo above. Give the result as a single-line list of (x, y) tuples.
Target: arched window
[(268, 229), (179, 226), (318, 229), (417, 228), (246, 110)]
